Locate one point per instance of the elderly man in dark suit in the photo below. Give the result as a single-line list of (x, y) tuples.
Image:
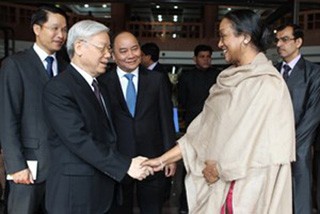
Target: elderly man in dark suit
[(303, 80), (85, 164), (143, 121), (23, 132)]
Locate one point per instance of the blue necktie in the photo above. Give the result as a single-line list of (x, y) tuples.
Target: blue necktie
[(286, 69), (49, 60), (131, 94)]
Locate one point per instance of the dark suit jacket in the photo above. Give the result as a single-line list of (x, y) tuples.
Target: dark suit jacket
[(161, 68), (193, 90), (23, 130), (304, 87), (151, 131), (85, 164)]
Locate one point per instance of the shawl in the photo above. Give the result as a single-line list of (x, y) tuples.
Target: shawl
[(247, 122)]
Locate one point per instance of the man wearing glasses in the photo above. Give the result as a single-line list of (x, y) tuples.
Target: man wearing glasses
[(23, 131), (303, 80), (85, 162)]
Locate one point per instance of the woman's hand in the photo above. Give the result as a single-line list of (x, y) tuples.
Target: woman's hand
[(156, 164), (210, 172)]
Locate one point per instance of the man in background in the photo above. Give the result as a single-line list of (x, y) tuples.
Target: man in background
[(142, 113), (193, 90), (194, 85), (150, 53), (23, 131), (303, 80)]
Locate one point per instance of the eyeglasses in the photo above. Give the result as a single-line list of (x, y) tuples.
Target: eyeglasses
[(102, 49), (285, 39), (56, 30)]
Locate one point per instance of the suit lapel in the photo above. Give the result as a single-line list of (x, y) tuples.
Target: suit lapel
[(297, 75), (143, 85), (33, 58), (86, 90), (107, 108)]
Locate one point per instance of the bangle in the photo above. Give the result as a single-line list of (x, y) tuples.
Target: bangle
[(161, 163)]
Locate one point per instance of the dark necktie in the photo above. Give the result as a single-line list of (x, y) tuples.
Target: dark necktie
[(49, 60), (96, 91), (131, 94), (100, 99), (286, 69)]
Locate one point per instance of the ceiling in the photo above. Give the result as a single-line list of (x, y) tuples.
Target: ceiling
[(182, 10)]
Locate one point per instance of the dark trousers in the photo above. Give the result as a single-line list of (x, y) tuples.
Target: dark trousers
[(26, 199), (150, 194), (317, 179), (183, 203), (302, 182)]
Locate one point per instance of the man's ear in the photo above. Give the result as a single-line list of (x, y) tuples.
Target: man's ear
[(78, 48), (299, 42), (36, 29)]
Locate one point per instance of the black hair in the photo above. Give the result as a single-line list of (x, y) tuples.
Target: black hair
[(151, 49), (297, 30), (245, 21), (41, 15), (201, 47)]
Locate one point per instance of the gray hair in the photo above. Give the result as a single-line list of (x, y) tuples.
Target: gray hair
[(82, 30)]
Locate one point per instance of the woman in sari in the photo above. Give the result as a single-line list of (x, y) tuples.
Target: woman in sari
[(238, 150)]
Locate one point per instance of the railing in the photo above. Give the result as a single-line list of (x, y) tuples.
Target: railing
[(308, 20), (166, 29)]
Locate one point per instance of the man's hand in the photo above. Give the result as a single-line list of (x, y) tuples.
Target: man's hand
[(137, 171), (210, 172), (170, 169), (23, 177), (156, 164)]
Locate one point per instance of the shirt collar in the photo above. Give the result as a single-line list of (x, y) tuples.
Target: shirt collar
[(84, 74), (293, 62), (121, 73), (41, 53), (151, 67)]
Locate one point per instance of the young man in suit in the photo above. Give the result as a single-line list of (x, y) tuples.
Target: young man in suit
[(303, 80), (23, 132), (150, 57), (84, 163), (144, 127)]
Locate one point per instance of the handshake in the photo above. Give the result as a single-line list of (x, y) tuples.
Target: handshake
[(142, 167)]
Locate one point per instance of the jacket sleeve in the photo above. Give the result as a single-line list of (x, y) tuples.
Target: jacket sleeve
[(11, 113), (77, 133), (306, 128)]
